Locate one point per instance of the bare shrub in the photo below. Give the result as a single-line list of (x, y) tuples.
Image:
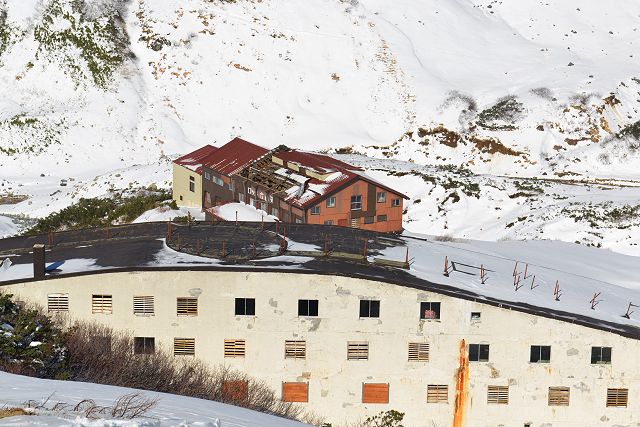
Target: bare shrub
[(444, 238)]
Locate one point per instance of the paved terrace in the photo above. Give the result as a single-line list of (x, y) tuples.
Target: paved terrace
[(225, 246)]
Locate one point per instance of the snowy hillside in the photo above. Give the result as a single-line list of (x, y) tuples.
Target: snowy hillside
[(56, 400), (105, 92)]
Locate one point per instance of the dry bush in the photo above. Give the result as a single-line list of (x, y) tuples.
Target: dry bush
[(99, 354), (12, 412), (128, 406), (444, 238)]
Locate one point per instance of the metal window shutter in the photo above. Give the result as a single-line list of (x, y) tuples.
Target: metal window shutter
[(357, 350), (295, 349), (235, 391), (184, 346), (617, 397), (234, 348), (418, 352), (295, 392), (58, 302), (437, 393), (559, 396), (375, 393), (187, 306), (498, 394), (101, 304), (143, 305)]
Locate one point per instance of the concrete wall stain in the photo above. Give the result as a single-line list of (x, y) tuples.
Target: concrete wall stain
[(462, 385)]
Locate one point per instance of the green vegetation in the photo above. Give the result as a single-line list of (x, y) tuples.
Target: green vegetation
[(30, 343), (632, 130), (100, 212), (604, 215), (390, 418), (29, 134), (101, 40), (501, 116)]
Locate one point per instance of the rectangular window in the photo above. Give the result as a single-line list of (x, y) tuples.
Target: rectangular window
[(251, 191), (315, 210), (274, 212), (245, 307), (218, 181), (475, 316), (331, 202), (230, 186), (101, 304), (381, 197), (308, 307), (617, 397), (375, 393), (192, 184), (328, 222), (57, 302), (356, 203), (540, 354), (235, 391), (241, 197), (270, 198), (498, 394), (429, 310), (144, 345), (143, 305), (207, 175), (382, 218), (478, 352), (418, 352), (184, 346), (369, 308), (295, 349), (295, 392), (437, 393), (187, 306), (252, 202), (600, 355), (357, 350), (263, 206), (395, 203), (559, 396), (234, 348), (368, 219), (262, 195)]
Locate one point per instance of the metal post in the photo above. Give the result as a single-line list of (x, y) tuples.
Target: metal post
[(446, 266), (38, 262)]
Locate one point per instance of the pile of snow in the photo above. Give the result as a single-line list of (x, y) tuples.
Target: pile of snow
[(165, 213), (7, 227), (241, 212), (171, 410)]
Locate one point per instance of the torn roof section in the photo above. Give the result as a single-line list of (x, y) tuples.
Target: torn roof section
[(194, 160), (234, 156)]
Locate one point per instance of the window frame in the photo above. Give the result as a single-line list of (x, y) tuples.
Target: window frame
[(479, 350), (600, 356), (137, 346), (382, 218), (309, 307), (245, 307), (369, 309), (207, 175), (395, 203), (192, 184), (435, 306), (331, 202), (537, 352), (356, 205), (382, 199), (315, 210)]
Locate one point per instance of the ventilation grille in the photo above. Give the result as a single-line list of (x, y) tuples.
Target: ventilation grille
[(184, 346), (357, 350), (101, 304), (437, 393), (295, 349), (57, 302), (187, 306), (617, 397), (498, 394), (559, 396), (234, 348), (418, 352), (143, 305)]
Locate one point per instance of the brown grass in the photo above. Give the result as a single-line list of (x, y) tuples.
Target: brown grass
[(12, 412)]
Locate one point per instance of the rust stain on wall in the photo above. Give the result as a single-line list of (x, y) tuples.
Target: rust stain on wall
[(462, 384)]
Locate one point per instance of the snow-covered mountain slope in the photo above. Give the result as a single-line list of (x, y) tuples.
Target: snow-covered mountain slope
[(170, 410), (91, 88)]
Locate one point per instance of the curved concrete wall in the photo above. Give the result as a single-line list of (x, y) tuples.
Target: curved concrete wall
[(335, 384)]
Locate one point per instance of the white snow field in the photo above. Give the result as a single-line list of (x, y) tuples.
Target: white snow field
[(171, 410), (547, 91), (241, 212)]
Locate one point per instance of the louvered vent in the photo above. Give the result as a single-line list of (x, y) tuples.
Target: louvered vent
[(617, 397), (184, 346), (101, 304), (418, 352), (559, 396), (143, 305), (234, 348), (357, 350), (295, 349), (187, 306), (498, 394), (437, 393), (57, 302)]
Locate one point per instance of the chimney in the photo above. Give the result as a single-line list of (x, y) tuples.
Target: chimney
[(38, 262)]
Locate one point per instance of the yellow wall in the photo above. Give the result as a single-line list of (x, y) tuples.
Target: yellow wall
[(181, 187)]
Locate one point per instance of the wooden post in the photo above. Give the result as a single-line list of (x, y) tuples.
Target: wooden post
[(515, 269), (277, 224), (224, 252), (446, 266), (236, 218), (556, 291), (526, 267), (254, 248), (594, 301), (198, 246), (325, 245), (284, 239), (406, 256), (179, 243), (169, 231), (365, 249), (533, 281), (516, 282), (482, 274), (262, 225), (50, 238)]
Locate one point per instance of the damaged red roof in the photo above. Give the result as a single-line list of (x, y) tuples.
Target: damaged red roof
[(319, 162), (194, 160), (233, 156)]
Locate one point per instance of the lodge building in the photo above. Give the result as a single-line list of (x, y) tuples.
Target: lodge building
[(291, 185)]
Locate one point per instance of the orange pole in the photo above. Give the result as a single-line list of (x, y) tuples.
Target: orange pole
[(515, 269)]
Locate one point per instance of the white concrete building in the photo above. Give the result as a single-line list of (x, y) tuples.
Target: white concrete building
[(350, 347)]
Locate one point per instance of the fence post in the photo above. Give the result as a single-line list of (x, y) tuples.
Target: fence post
[(169, 231), (446, 266)]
